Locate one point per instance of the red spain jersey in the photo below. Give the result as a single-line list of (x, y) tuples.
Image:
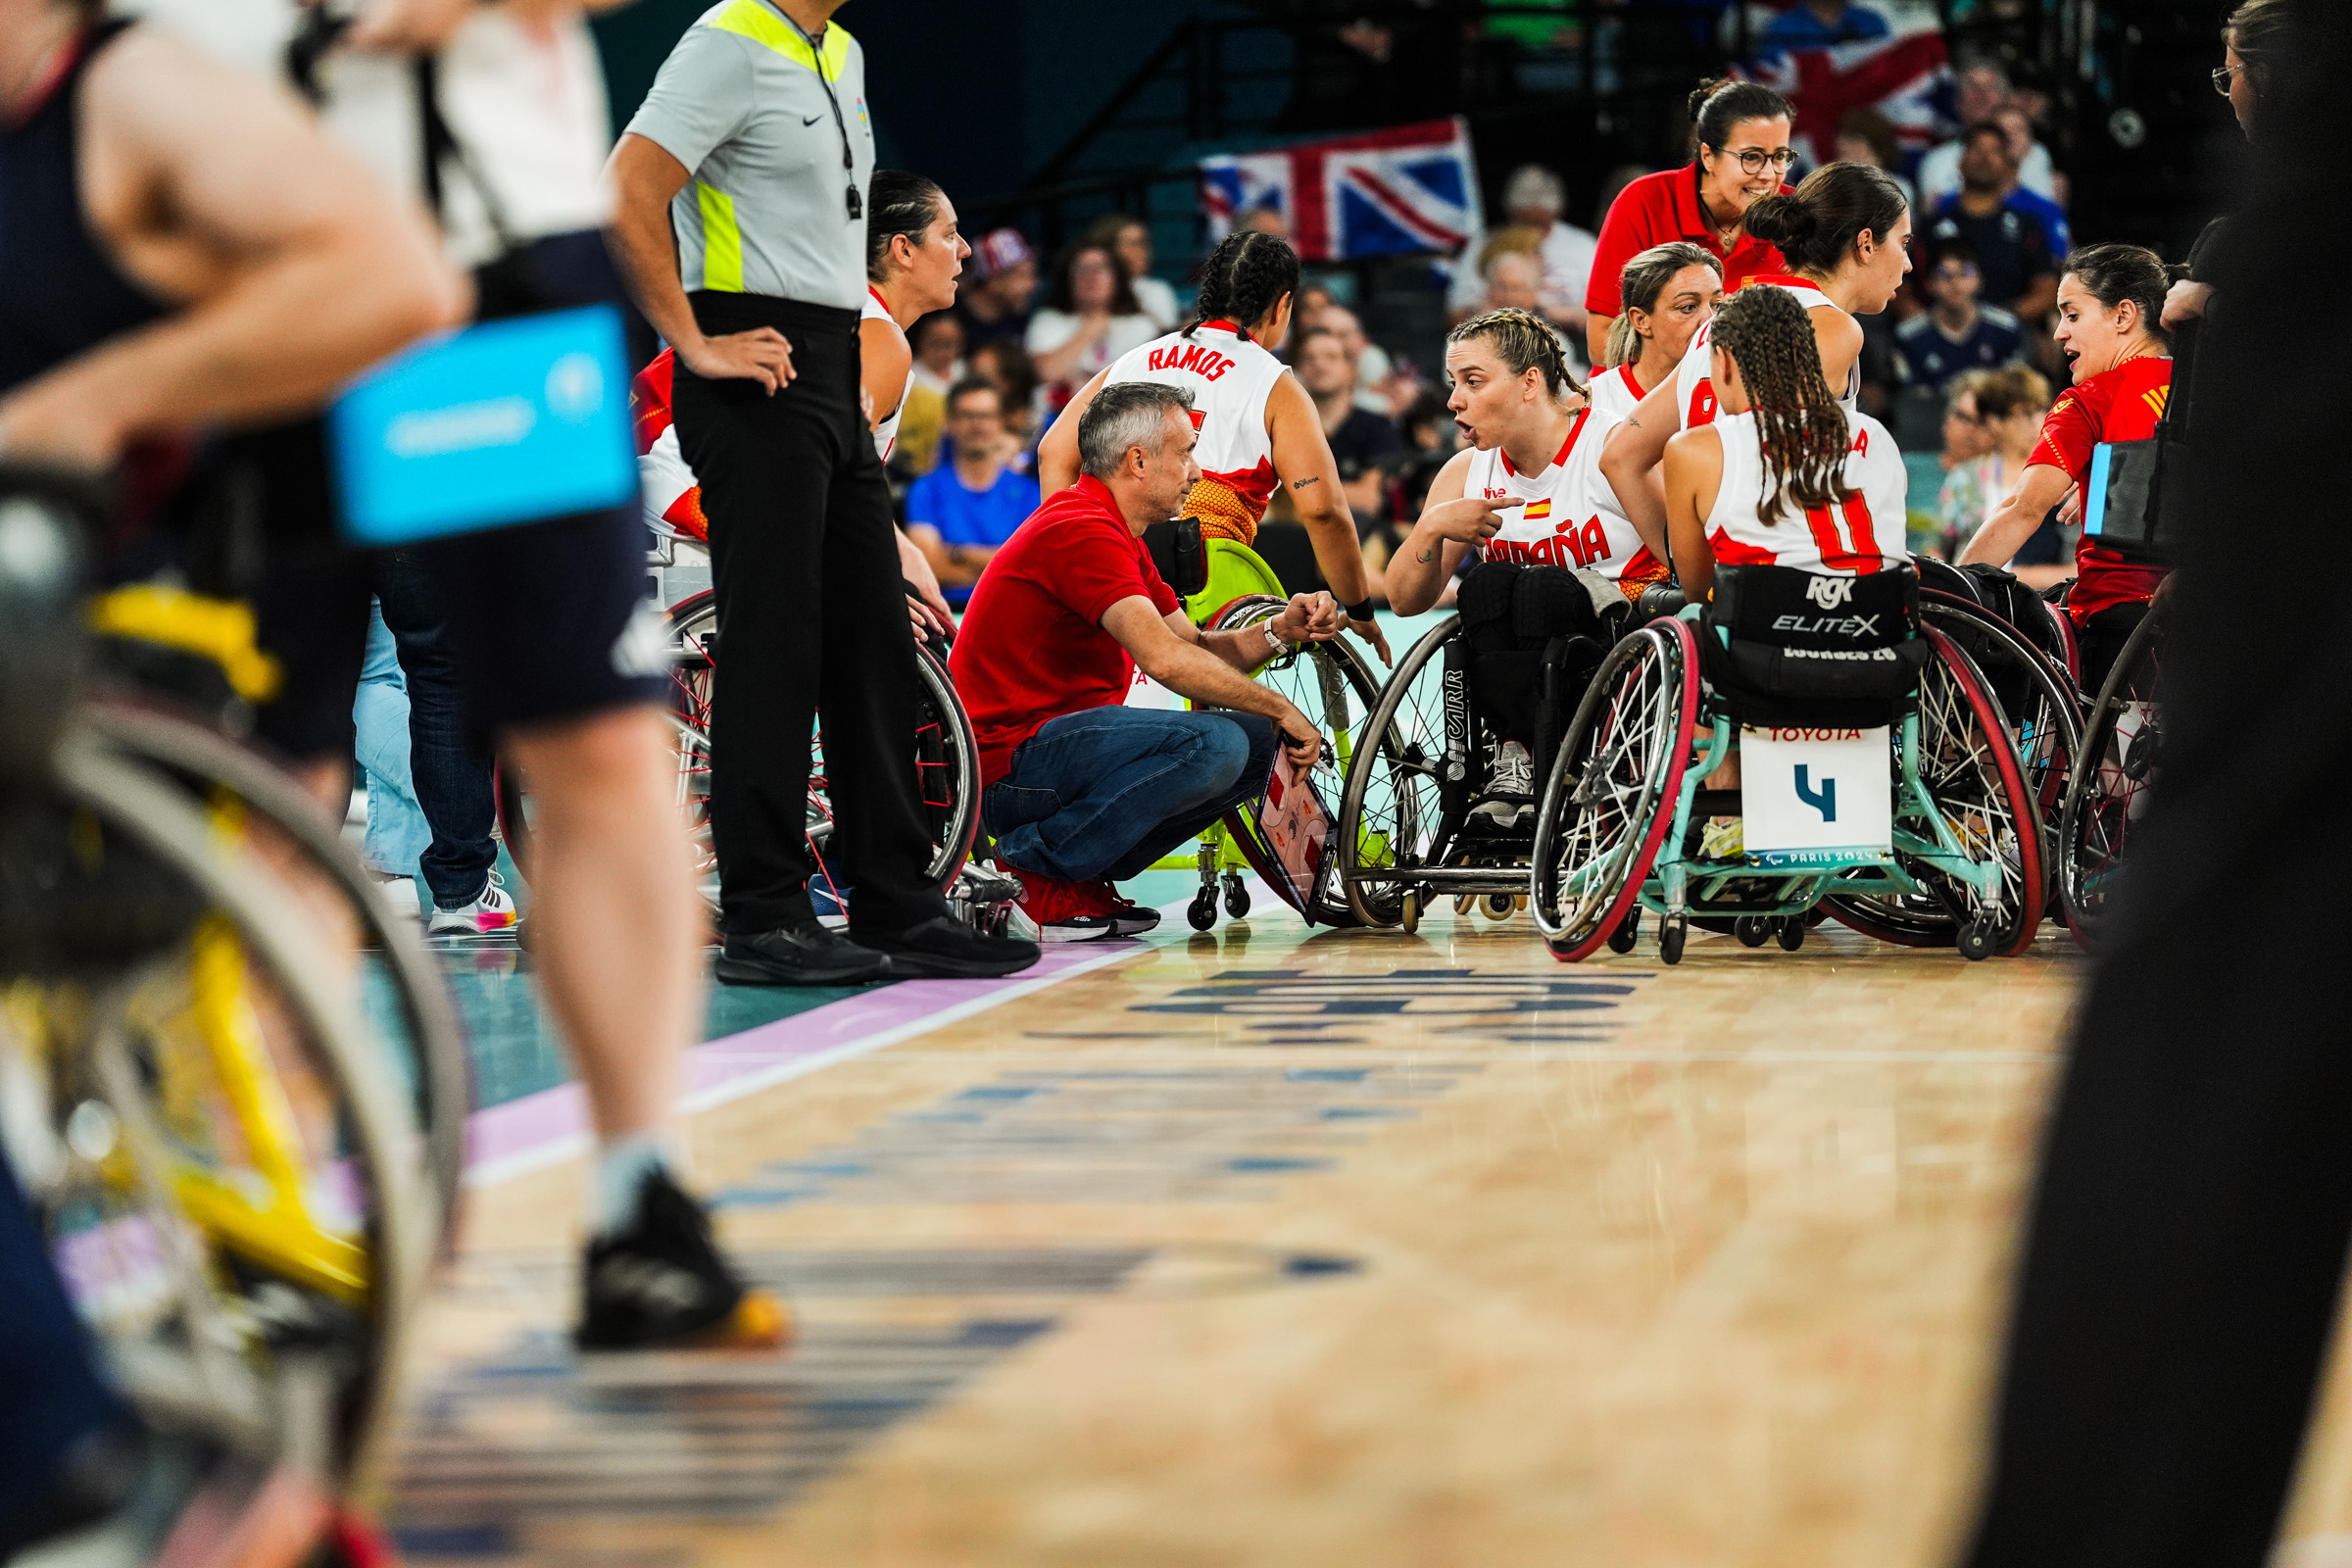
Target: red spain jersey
[(2123, 404)]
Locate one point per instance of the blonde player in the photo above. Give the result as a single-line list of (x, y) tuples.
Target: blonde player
[(1258, 427), (1670, 293)]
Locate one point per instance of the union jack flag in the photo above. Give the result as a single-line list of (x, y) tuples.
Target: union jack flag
[(1907, 79), (1385, 193)]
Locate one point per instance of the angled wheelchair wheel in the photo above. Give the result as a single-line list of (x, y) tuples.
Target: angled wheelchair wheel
[(1613, 789), (2038, 704), (1970, 769), (218, 1147), (429, 1048), (2123, 753), (1332, 685), (943, 753), (1390, 810)]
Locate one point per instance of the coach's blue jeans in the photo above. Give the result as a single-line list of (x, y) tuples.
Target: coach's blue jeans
[(450, 774), (1105, 792)]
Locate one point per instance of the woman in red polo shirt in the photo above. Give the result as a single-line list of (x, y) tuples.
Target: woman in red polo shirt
[(2110, 307), (1742, 151)]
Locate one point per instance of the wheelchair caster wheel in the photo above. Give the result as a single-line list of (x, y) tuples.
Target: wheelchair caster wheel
[(1977, 938), (1792, 933), (1464, 902), (1411, 918), (1237, 898), (1752, 930), (1628, 932), (1499, 905), (1671, 932), (1202, 912)]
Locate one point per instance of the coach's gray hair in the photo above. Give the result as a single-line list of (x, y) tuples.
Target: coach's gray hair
[(1124, 414)]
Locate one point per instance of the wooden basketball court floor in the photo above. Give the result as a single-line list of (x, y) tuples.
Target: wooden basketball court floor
[(1279, 1247)]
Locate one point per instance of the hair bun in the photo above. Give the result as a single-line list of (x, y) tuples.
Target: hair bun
[(1784, 221), (1706, 90)]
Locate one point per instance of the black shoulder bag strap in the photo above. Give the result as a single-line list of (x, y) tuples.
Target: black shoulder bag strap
[(507, 284), (2167, 505)]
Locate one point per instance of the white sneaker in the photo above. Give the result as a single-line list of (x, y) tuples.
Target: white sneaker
[(1511, 791), (491, 910), (401, 891)]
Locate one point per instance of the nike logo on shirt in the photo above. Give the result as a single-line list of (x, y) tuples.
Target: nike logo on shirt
[(811, 121)]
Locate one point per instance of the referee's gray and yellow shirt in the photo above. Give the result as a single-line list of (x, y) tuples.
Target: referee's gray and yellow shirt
[(740, 104)]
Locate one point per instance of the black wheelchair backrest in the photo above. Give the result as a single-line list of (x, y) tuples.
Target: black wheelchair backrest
[(1791, 646)]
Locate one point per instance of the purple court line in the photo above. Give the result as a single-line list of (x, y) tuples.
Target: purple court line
[(538, 1130)]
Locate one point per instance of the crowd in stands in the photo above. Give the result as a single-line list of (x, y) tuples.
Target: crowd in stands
[(1959, 368)]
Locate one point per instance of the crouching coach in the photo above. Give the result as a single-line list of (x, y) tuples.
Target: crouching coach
[(1078, 789)]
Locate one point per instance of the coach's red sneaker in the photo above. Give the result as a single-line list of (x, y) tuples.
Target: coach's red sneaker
[(1128, 918), (1066, 911)]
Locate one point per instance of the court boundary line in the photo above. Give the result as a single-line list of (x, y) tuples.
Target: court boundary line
[(553, 1120)]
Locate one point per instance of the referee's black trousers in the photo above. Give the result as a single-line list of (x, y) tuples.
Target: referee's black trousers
[(812, 617)]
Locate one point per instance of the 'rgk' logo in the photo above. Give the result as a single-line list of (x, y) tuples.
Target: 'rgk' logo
[(1830, 592)]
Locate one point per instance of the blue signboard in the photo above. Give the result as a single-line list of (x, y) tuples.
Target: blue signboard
[(509, 422)]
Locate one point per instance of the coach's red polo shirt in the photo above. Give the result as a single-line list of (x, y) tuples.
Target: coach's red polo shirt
[(1032, 646), (1653, 210)]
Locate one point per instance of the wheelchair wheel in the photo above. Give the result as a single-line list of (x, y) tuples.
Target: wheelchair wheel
[(431, 1052), (2037, 700), (1332, 685), (944, 757), (1970, 768), (2123, 751), (219, 1152), (1613, 788), (1390, 809)]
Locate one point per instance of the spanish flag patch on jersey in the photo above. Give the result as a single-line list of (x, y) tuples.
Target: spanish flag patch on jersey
[(1538, 509)]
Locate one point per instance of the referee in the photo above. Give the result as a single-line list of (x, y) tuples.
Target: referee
[(741, 226)]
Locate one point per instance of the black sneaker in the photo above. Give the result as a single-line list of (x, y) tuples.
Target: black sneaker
[(945, 949), (660, 1285), (1129, 919), (809, 955)]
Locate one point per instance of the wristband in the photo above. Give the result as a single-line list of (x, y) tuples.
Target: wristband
[(1274, 639), (1362, 611)]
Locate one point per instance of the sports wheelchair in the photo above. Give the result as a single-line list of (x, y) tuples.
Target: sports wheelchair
[(2122, 752), (1510, 663), (1845, 673), (1227, 586)]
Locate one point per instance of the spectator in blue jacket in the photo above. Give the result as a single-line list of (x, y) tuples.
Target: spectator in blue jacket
[(1819, 24), (966, 507)]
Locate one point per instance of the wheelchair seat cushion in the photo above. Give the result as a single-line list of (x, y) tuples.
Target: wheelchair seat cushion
[(1791, 647)]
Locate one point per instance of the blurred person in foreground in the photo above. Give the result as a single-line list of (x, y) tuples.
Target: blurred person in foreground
[(2184, 1262)]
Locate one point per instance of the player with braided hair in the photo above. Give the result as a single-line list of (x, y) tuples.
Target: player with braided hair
[(1846, 234), (1258, 427), (1783, 476)]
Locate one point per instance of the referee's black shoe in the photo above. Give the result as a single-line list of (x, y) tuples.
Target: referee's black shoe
[(805, 955), (944, 948)]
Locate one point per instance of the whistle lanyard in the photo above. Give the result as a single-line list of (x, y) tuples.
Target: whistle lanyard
[(849, 164)]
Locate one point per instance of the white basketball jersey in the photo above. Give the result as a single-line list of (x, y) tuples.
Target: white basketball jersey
[(1230, 378), (1615, 392), (886, 431), (1572, 518), (670, 490), (1863, 535), (1693, 382)]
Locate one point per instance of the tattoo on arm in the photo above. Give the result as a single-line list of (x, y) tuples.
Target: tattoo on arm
[(1633, 419), (1300, 484), (1427, 555)]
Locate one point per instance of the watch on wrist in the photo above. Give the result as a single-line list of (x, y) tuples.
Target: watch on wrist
[(1359, 611)]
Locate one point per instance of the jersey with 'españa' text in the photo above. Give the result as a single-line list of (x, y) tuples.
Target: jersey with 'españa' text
[(1230, 378), (1572, 518), (1861, 535)]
